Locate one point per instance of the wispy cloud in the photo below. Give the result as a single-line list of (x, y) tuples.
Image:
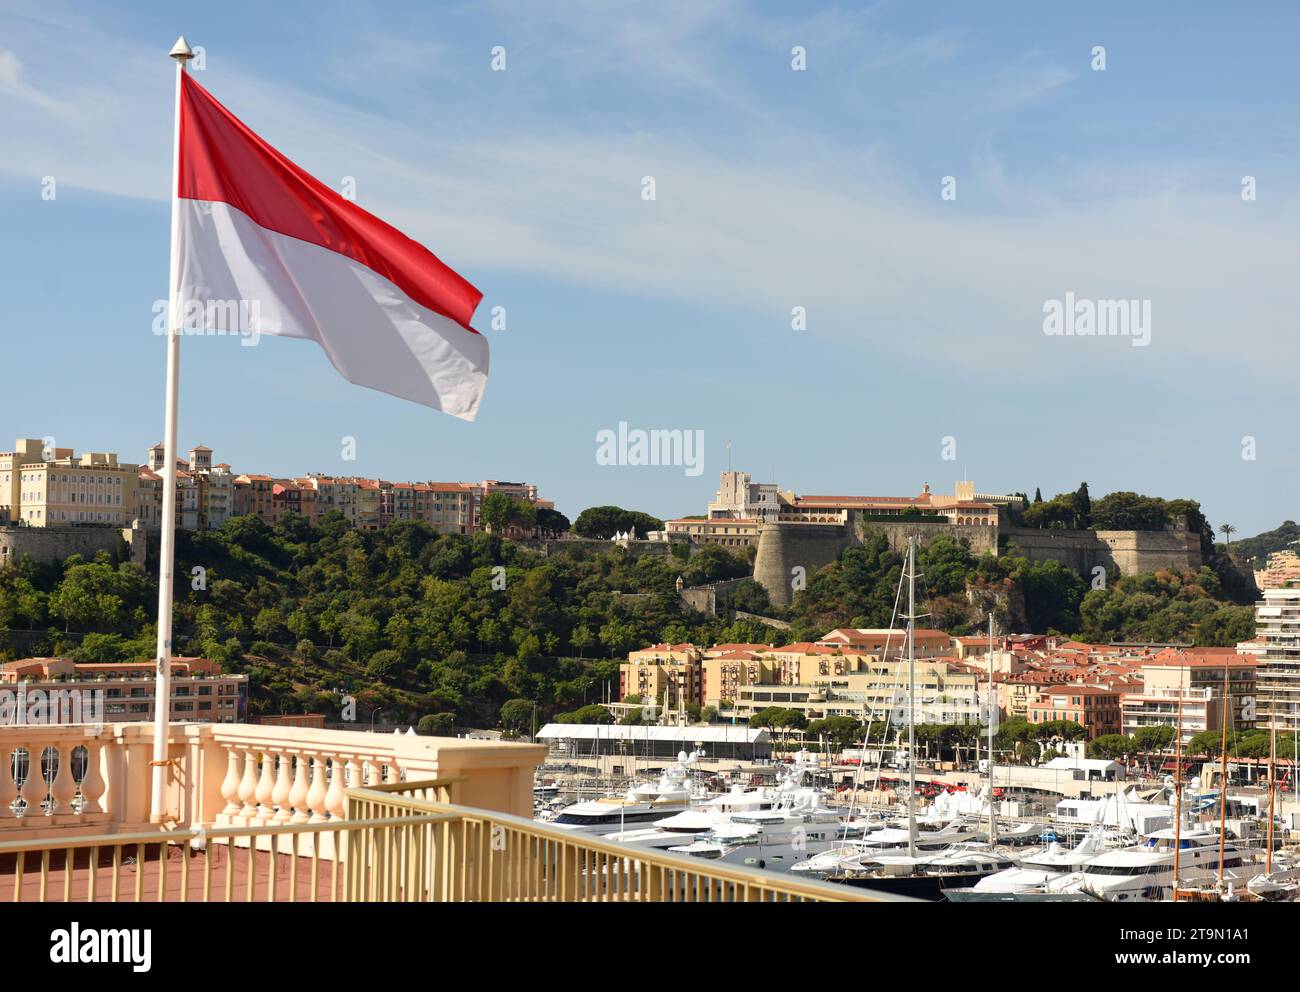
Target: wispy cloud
[(841, 228)]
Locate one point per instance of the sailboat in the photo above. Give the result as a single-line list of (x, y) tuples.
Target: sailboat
[(915, 874)]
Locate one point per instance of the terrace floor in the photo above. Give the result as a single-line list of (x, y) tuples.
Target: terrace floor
[(225, 864)]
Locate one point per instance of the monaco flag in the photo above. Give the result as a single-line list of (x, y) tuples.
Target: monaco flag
[(255, 228)]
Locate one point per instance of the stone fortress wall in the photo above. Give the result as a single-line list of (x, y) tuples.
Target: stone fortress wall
[(53, 544), (784, 546)]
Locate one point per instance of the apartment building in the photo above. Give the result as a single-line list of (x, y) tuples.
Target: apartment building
[(1096, 708), (286, 497), (205, 493), (332, 495), (927, 643), (368, 504), (1197, 676), (125, 690), (1277, 675), (867, 688), (664, 673), (217, 496), (253, 495), (452, 507), (1282, 569)]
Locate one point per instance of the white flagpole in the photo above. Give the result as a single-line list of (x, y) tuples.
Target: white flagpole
[(182, 53)]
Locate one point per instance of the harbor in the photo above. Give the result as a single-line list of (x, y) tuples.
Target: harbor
[(873, 816)]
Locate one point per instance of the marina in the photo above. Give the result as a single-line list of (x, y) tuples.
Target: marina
[(946, 839)]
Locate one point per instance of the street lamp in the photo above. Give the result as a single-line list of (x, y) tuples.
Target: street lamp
[(373, 714)]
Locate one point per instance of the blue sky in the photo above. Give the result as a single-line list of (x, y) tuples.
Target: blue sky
[(774, 189)]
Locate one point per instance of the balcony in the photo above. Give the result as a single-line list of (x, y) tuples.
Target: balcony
[(276, 814)]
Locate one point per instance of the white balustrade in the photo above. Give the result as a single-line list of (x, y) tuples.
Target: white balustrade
[(230, 784), (283, 787), (8, 787), (92, 782), (64, 787), (316, 795), (34, 787), (248, 785), (334, 797), (266, 788), (298, 794)]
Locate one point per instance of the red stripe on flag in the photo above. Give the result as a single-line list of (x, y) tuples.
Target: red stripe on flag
[(222, 160)]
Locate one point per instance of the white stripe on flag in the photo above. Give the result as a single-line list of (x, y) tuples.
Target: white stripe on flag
[(373, 333)]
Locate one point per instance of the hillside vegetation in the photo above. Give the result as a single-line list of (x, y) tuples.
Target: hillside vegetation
[(451, 629)]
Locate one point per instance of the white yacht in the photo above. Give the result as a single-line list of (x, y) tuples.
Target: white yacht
[(773, 839), (645, 803), (765, 827), (892, 839), (1145, 872), (699, 819), (1033, 871), (925, 876)]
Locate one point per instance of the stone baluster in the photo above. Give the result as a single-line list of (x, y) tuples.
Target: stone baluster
[(64, 788), (266, 788), (298, 794), (248, 786), (92, 782), (316, 795), (8, 787), (352, 772), (283, 787), (372, 772), (230, 784), (334, 798), (34, 785)]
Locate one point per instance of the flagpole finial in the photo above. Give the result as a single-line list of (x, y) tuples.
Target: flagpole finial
[(181, 51)]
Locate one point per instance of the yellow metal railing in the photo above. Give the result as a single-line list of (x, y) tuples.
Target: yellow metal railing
[(399, 842), (480, 856), (291, 862)]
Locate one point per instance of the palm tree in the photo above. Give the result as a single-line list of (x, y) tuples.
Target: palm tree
[(1227, 530)]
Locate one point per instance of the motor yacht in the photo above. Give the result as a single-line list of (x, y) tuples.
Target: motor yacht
[(1145, 872), (1033, 871)]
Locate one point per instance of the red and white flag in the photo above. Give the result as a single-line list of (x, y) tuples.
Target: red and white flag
[(254, 227)]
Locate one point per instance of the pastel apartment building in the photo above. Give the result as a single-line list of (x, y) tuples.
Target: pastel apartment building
[(44, 486), (1197, 676), (1277, 625), (1096, 708), (125, 690), (665, 673)]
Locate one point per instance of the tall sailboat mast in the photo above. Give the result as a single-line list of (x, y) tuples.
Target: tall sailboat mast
[(1272, 762), (1223, 773), (911, 697), (992, 713), (1178, 787)]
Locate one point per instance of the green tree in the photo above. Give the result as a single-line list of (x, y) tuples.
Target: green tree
[(586, 715), (551, 523), (1112, 746), (516, 714), (840, 731), (603, 522), (1083, 506), (436, 724)]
